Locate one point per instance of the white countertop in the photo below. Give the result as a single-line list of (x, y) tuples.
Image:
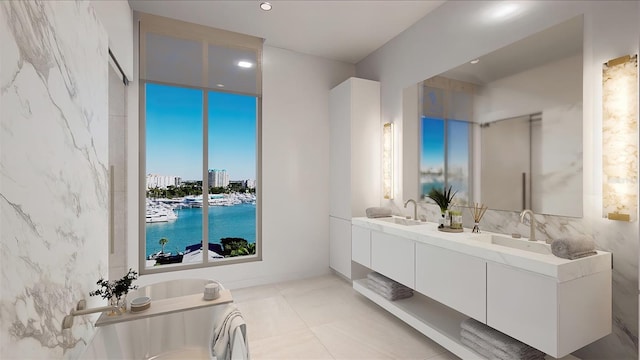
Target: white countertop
[(544, 264)]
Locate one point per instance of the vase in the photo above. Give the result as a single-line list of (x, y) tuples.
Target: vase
[(456, 221), (118, 302)]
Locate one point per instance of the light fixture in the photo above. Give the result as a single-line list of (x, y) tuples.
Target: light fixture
[(475, 61), (266, 6), (387, 161), (245, 64), (620, 138), (220, 85)]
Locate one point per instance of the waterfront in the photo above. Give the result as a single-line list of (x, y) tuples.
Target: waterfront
[(224, 221)]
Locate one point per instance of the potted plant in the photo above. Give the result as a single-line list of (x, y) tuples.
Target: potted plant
[(442, 198), (116, 291)]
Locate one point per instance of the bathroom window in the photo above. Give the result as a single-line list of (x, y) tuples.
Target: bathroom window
[(445, 138), (199, 154)]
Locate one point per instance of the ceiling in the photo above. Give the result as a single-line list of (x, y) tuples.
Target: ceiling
[(555, 43), (343, 30)]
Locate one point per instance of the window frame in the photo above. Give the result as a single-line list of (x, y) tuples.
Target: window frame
[(230, 40)]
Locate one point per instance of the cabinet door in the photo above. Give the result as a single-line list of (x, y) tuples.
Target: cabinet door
[(523, 305), (361, 245), (454, 279), (340, 245), (393, 257)]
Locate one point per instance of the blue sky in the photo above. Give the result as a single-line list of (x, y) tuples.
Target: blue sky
[(432, 154), (174, 132)]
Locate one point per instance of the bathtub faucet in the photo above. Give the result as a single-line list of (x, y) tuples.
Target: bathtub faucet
[(81, 309)]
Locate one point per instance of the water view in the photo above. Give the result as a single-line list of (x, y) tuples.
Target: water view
[(238, 221)]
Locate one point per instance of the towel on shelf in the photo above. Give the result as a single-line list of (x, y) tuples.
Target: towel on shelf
[(229, 330), (492, 352), (387, 288), (573, 248), (384, 281), (390, 294), (480, 349), (494, 340), (377, 212)]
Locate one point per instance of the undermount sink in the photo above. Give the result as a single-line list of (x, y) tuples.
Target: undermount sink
[(521, 244), (401, 221)]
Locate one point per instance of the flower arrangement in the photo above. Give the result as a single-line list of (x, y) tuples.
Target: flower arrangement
[(116, 291)]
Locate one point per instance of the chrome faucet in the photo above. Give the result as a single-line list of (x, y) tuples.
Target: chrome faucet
[(415, 208), (532, 223)]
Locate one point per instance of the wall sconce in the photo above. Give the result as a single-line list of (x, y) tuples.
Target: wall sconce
[(387, 160), (620, 138)]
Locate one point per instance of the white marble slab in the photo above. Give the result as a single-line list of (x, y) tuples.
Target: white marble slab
[(468, 243), (53, 173)]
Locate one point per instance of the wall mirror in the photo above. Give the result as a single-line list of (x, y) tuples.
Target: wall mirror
[(506, 130)]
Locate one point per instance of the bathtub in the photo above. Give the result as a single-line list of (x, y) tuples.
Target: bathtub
[(182, 335)]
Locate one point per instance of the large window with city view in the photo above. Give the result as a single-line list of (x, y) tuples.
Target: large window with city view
[(200, 150)]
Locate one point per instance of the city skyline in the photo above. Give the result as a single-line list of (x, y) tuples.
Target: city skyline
[(174, 132)]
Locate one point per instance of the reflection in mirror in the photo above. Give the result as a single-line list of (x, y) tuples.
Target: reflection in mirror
[(446, 133), (507, 131)]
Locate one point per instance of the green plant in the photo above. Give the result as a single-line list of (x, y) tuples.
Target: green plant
[(162, 243), (442, 197), (116, 288)]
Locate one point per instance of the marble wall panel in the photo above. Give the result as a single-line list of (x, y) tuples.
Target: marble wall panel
[(53, 174)]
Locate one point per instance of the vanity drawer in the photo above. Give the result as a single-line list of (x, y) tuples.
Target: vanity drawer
[(393, 257), (361, 245), (454, 279)]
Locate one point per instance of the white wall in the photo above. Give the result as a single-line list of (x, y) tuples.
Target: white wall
[(295, 174), (459, 31), (117, 18), (53, 174)]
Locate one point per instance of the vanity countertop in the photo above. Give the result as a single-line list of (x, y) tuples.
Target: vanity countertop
[(468, 243)]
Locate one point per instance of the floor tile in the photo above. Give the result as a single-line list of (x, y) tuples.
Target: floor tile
[(345, 342), (324, 318), (254, 293), (301, 344), (269, 317)]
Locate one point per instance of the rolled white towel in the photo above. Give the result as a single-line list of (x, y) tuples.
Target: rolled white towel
[(573, 248), (377, 212)]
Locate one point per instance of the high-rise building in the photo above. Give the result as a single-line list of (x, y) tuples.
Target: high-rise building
[(218, 178), (162, 181)]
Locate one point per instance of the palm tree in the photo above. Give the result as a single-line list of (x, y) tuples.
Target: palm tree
[(162, 243)]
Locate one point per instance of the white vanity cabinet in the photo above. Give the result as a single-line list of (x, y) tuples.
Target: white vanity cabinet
[(555, 317), (555, 305), (454, 279), (393, 257)]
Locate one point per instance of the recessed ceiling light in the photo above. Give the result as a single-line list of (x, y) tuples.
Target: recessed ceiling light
[(475, 61), (245, 64), (266, 6), (219, 85)]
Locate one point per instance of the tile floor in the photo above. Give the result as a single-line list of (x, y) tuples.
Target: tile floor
[(324, 318)]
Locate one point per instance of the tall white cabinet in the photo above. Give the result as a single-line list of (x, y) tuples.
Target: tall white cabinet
[(355, 132)]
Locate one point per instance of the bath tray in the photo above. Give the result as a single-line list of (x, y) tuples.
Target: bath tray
[(446, 229), (167, 306)]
